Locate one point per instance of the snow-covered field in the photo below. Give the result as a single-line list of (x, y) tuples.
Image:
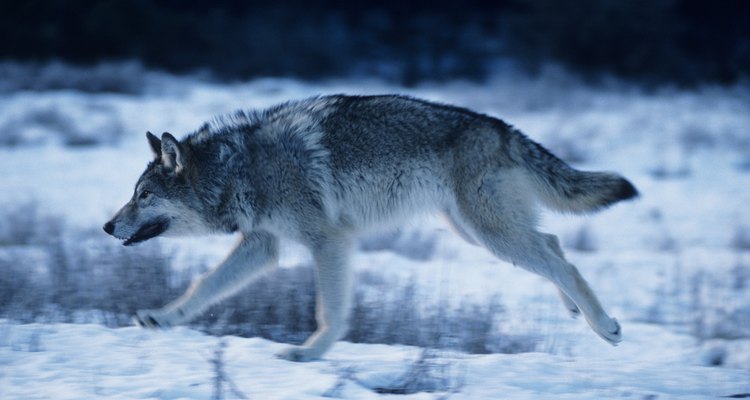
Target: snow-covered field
[(673, 267), (90, 361)]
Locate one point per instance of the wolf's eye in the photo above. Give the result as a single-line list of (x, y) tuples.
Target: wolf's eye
[(144, 195)]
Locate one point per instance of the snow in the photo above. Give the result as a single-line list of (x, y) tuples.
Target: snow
[(65, 361), (664, 265)]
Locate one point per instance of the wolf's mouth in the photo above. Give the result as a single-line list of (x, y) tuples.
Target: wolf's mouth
[(147, 231)]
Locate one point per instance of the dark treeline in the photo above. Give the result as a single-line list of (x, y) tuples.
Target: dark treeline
[(652, 41)]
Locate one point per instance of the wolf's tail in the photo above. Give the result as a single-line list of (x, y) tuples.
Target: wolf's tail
[(566, 189)]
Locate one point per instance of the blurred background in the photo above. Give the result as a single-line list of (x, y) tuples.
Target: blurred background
[(683, 42), (656, 90)]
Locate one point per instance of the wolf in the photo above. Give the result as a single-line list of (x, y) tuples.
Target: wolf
[(321, 171)]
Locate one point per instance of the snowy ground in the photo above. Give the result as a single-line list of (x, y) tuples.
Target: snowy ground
[(90, 361), (673, 267)]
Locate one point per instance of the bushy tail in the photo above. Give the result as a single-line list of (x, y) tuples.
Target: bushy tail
[(565, 189)]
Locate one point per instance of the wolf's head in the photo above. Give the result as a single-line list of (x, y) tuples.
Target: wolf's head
[(164, 202)]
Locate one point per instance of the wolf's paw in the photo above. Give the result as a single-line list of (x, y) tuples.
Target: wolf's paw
[(153, 319), (612, 334), (297, 354)]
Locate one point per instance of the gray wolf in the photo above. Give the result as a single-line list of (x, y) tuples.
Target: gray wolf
[(322, 170)]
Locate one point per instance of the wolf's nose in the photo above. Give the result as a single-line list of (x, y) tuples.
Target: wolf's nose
[(109, 227)]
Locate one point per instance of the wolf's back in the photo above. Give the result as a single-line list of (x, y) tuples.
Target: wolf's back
[(566, 189)]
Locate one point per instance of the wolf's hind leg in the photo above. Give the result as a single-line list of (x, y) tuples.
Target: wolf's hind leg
[(569, 304), (576, 294), (573, 288), (333, 299), (540, 254), (255, 252), (498, 204)]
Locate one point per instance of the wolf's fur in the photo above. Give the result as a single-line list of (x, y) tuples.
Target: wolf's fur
[(324, 169)]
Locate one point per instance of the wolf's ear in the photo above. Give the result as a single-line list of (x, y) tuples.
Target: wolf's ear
[(172, 154), (155, 144)]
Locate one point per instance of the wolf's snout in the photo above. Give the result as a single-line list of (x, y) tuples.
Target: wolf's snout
[(109, 227)]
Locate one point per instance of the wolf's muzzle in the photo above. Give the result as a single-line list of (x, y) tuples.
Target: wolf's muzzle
[(145, 232)]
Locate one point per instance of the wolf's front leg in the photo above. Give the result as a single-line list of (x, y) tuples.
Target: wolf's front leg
[(254, 252), (333, 299)]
